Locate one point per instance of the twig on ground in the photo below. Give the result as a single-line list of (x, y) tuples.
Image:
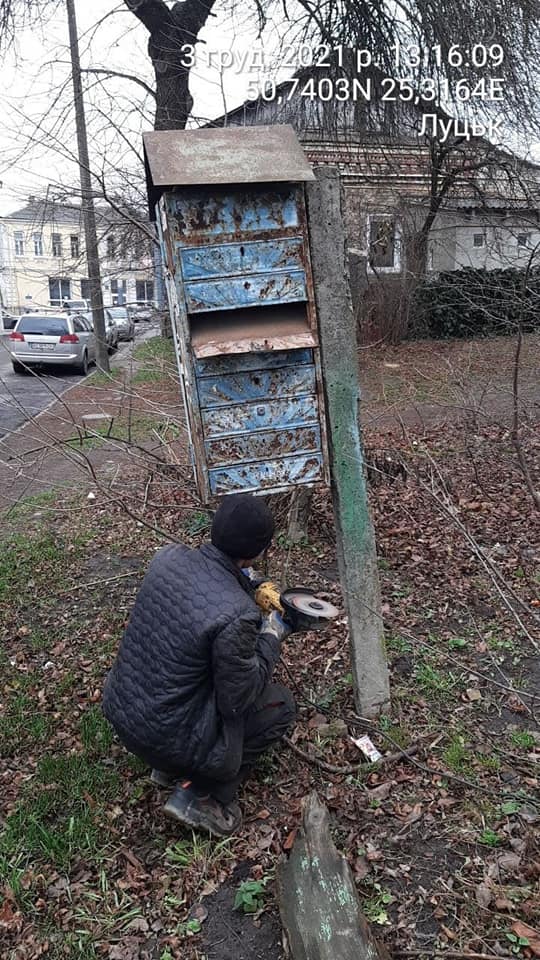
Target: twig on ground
[(353, 767)]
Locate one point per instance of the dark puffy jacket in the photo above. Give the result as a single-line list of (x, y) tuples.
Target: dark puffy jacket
[(190, 664)]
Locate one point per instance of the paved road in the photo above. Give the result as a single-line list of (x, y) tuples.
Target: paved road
[(22, 397)]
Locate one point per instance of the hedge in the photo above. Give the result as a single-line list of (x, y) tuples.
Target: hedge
[(472, 302)]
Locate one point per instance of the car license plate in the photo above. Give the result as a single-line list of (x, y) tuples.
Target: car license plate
[(42, 346)]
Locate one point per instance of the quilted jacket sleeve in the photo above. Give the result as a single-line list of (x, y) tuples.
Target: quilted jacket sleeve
[(243, 662)]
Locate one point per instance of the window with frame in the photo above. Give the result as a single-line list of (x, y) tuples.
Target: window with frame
[(478, 240), (18, 237), (144, 291), (56, 240), (59, 290), (38, 245), (383, 243), (523, 239), (75, 246), (118, 292), (111, 246)]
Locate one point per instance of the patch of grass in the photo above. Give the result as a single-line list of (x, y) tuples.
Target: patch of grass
[(58, 815), (96, 733), (140, 427), (28, 505), (66, 683), (456, 755), (398, 734), (199, 853), (70, 946), (523, 740), (397, 644), (25, 559), (100, 379), (155, 348), (40, 640), (488, 838), (21, 728), (489, 762), (147, 375), (433, 683), (198, 522), (498, 641), (457, 643)]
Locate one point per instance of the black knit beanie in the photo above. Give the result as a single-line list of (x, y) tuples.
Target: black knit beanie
[(243, 526)]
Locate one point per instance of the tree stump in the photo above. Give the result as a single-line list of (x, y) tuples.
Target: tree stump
[(319, 906), (300, 509)]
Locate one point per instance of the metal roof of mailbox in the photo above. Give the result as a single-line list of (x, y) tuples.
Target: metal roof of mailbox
[(225, 155)]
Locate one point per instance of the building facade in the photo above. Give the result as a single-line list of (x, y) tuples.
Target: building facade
[(43, 258), (479, 205)]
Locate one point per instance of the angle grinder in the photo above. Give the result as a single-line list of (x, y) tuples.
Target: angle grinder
[(299, 606), (303, 610)]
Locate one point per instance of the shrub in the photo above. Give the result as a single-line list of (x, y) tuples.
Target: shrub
[(477, 302)]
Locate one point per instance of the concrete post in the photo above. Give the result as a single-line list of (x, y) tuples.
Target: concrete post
[(356, 553)]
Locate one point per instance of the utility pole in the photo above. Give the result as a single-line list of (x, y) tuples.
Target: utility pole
[(355, 536), (88, 212)]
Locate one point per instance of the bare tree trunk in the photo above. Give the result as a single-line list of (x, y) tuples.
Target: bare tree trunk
[(171, 30)]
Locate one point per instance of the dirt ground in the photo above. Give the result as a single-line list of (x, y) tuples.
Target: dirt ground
[(443, 844)]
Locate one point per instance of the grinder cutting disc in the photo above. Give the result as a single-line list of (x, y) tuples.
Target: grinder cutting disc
[(305, 610)]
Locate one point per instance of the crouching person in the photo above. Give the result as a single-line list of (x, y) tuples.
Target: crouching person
[(190, 692)]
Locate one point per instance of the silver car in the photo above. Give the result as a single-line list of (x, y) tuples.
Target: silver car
[(122, 321), (51, 339)]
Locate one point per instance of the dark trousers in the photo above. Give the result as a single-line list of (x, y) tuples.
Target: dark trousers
[(267, 721)]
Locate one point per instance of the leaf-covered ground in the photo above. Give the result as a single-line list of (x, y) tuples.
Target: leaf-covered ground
[(443, 843)]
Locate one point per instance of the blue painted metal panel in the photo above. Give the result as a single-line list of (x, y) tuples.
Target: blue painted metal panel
[(287, 471), (262, 445), (256, 385), (232, 363), (273, 414), (236, 259), (257, 289), (235, 213)]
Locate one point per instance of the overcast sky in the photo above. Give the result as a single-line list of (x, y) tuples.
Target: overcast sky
[(37, 129)]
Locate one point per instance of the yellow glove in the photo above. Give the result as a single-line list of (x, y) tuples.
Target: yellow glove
[(267, 597)]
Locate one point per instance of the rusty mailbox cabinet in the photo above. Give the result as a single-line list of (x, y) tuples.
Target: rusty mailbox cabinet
[(231, 217)]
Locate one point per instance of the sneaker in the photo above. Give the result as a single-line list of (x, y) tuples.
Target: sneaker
[(162, 779), (203, 812)]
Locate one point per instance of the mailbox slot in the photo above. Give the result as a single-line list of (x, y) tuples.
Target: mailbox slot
[(250, 330)]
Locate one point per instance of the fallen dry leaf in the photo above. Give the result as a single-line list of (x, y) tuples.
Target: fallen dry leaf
[(289, 840), (483, 895), (533, 936)]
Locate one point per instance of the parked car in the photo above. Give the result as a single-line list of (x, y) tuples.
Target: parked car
[(111, 331), (124, 323), (47, 339), (75, 306), (140, 311)]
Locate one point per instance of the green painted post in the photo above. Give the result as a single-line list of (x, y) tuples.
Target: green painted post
[(356, 552)]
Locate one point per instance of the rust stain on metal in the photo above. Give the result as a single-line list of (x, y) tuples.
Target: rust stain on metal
[(226, 155)]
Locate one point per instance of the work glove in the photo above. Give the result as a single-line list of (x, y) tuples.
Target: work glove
[(275, 626)]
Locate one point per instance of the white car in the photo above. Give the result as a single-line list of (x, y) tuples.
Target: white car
[(52, 339), (111, 330)]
